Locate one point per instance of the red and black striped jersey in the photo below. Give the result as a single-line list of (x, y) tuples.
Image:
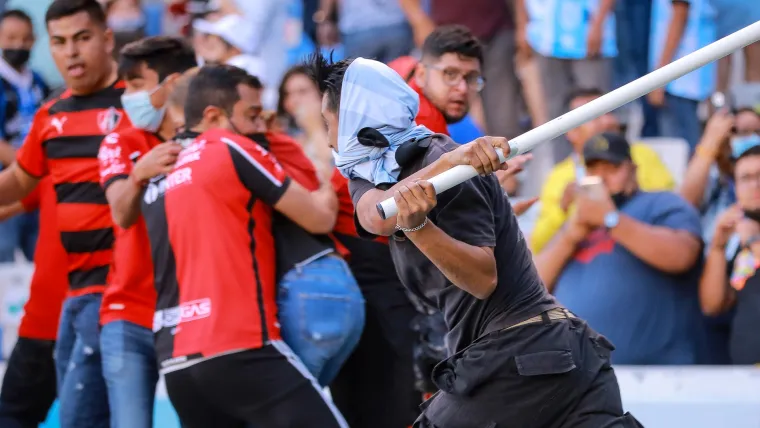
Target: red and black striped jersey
[(63, 142), (209, 222)]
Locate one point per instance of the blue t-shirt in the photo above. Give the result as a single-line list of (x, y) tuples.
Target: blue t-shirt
[(651, 317)]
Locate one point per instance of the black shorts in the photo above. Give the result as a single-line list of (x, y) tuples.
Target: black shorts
[(266, 387), (29, 386), (552, 374)]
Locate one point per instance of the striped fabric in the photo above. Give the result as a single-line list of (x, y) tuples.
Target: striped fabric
[(64, 143), (375, 96)]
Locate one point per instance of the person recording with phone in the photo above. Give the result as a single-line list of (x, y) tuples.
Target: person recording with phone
[(650, 312), (730, 279), (709, 181)]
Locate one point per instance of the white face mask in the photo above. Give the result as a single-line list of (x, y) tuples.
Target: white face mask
[(141, 112)]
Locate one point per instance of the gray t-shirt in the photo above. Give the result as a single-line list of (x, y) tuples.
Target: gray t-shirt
[(477, 213)]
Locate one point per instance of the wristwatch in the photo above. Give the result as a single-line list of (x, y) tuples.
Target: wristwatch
[(611, 219)]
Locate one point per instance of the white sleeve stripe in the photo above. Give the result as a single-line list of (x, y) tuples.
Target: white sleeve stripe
[(252, 161)]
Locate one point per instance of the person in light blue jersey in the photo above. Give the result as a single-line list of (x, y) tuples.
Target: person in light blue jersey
[(575, 42), (680, 27), (21, 93)]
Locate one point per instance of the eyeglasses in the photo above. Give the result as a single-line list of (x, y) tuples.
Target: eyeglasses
[(452, 77)]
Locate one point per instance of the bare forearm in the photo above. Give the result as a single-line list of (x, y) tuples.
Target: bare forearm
[(695, 181), (15, 184), (11, 210), (473, 269), (413, 11), (124, 198), (366, 209), (604, 10), (321, 153), (552, 260), (675, 33), (7, 153), (715, 295), (674, 252), (328, 6), (521, 14)]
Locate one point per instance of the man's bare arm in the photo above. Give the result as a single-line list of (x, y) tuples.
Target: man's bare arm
[(366, 208), (471, 268), (15, 183), (11, 210), (124, 198), (552, 260), (7, 153), (668, 250)]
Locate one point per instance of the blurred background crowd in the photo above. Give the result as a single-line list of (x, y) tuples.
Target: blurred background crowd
[(697, 138)]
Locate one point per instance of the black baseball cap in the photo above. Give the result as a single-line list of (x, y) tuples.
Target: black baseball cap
[(608, 146)]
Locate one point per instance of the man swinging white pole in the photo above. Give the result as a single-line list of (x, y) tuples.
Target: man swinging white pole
[(603, 105)]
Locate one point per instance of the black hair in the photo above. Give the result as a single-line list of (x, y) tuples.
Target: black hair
[(456, 39), (65, 8), (296, 70), (17, 14), (215, 85), (328, 76), (162, 54), (752, 151), (582, 93)]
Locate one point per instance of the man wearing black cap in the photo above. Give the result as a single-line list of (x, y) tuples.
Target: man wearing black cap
[(627, 261)]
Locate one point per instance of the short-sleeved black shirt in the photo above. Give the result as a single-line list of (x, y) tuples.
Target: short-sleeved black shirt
[(478, 213)]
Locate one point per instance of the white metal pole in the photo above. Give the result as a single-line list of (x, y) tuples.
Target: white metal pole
[(600, 106)]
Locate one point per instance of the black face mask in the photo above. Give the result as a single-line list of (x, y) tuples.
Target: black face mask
[(259, 138), (753, 215), (16, 57)]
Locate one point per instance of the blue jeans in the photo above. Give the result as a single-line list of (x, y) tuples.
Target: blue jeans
[(19, 232), (381, 43), (82, 394), (678, 118), (131, 373), (321, 312)]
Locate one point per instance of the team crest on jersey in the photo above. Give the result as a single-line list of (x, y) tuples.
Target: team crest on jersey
[(109, 119)]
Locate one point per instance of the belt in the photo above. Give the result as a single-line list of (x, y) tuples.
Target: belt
[(550, 315)]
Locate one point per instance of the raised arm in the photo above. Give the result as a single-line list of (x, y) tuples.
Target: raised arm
[(552, 260), (260, 173), (713, 142), (480, 154), (123, 183)]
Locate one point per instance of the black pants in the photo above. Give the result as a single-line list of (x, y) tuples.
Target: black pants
[(267, 387), (543, 375), (375, 387), (29, 388)]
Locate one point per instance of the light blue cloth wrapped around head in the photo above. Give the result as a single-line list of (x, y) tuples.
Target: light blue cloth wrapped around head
[(375, 96)]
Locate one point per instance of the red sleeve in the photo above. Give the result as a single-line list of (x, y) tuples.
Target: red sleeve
[(257, 169), (32, 201), (113, 158), (291, 156), (31, 156)]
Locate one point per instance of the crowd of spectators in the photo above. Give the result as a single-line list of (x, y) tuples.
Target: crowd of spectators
[(671, 280)]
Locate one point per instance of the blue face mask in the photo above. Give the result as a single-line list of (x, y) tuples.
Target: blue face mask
[(141, 112), (741, 144)]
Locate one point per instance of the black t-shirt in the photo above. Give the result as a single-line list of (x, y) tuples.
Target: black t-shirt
[(477, 213), (744, 342)]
